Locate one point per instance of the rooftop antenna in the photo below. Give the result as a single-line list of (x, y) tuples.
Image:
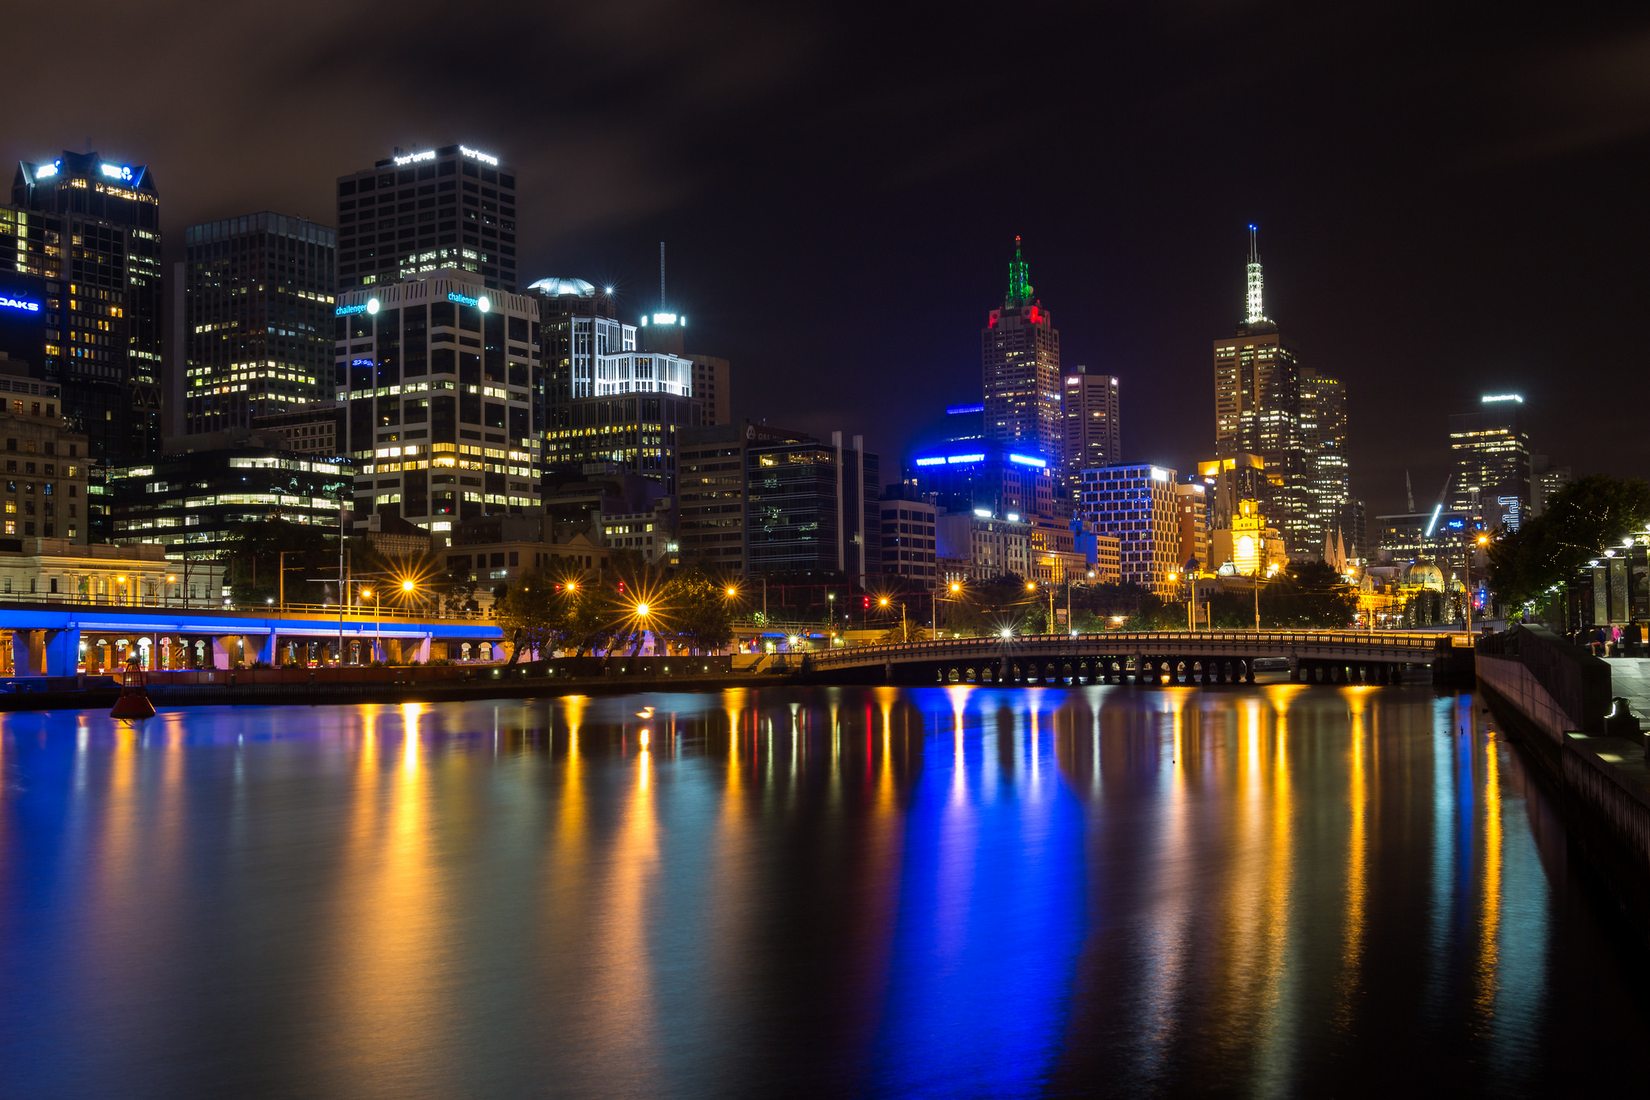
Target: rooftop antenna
[(1253, 309), (661, 276)]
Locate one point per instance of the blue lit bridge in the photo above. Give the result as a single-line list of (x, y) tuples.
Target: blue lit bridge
[(59, 639)]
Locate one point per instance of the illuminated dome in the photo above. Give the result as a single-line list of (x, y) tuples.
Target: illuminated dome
[(1424, 574), (564, 288)]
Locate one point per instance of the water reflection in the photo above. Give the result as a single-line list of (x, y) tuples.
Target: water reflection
[(957, 889)]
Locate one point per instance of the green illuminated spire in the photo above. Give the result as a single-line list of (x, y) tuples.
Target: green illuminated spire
[(1019, 280)]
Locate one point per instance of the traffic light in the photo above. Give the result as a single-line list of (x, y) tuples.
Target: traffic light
[(865, 602)]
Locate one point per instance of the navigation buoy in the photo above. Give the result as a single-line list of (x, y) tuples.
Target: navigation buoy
[(134, 694)]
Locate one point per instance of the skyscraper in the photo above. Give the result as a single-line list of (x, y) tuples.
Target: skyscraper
[(438, 376), (258, 320), (1491, 455), (1020, 355), (606, 400), (1258, 411), (1094, 431), (91, 228), (1324, 428), (414, 213)]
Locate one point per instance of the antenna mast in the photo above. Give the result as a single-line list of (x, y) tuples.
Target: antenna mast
[(661, 276), (1253, 308)]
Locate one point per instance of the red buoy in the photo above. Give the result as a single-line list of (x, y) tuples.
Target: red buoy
[(134, 694)]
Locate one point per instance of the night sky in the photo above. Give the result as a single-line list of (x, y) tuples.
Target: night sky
[(1448, 204)]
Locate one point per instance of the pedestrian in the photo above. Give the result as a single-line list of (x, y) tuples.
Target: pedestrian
[(1598, 641)]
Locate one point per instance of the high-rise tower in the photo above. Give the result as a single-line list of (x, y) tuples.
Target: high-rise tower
[(258, 320), (1258, 412), (1491, 453), (1094, 435), (91, 228), (1020, 354), (414, 213)]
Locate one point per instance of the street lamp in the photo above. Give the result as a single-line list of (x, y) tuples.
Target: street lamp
[(1481, 540), (377, 621), (1271, 571)]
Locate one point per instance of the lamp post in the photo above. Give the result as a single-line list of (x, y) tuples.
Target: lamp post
[(642, 612), (1481, 540), (1271, 570)]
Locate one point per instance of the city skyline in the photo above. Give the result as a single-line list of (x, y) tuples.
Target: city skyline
[(1501, 262)]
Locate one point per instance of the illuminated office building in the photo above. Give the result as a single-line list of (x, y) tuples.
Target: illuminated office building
[(967, 475), (90, 227), (1324, 431), (257, 319), (195, 503), (607, 401), (1136, 504), (439, 375), (1020, 355), (1491, 455), (1093, 425), (1258, 411), (421, 211), (811, 507)]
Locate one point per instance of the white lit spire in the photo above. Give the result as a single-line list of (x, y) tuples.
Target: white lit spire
[(1253, 310)]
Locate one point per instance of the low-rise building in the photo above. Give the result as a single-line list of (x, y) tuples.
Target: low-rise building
[(193, 502), (978, 546), (44, 493)]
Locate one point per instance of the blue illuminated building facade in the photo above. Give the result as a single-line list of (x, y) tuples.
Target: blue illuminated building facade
[(969, 474), (90, 227), (22, 320)]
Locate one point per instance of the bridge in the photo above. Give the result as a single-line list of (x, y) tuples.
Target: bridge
[(1148, 657), (59, 639)]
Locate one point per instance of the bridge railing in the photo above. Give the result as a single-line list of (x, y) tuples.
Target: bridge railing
[(1262, 643), (354, 613)]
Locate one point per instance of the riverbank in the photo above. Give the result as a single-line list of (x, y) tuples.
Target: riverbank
[(438, 683), (1557, 704)]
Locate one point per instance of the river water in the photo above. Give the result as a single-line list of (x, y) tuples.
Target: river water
[(944, 891)]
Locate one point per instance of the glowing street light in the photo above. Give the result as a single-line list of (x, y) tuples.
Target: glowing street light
[(1481, 541), (732, 591)]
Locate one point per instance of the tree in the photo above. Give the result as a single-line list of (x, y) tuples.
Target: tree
[(695, 613), (532, 614), (1527, 566), (252, 560)]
